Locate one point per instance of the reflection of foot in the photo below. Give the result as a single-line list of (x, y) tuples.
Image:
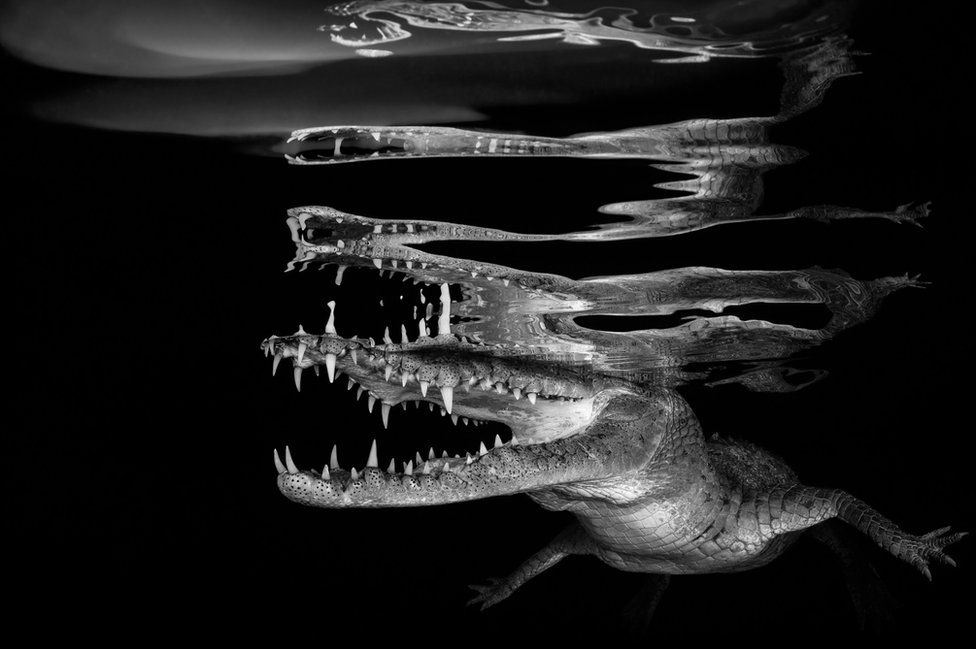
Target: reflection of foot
[(919, 550), (912, 212), (639, 612), (491, 593)]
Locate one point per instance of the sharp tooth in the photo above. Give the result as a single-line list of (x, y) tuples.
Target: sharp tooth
[(481, 449), (404, 378), (447, 467), (426, 468), (444, 320), (505, 282), (392, 467), (395, 264), (430, 453), (464, 420), (350, 384), (359, 392), (444, 454), (500, 388), (278, 465), (301, 331), (423, 387), (301, 351), (517, 392), (443, 412), (388, 371), (289, 462), (421, 325), (386, 336), (409, 264), (423, 300), (330, 325), (325, 472), (373, 461), (352, 354), (355, 476), (430, 406), (454, 419), (447, 394), (370, 402), (376, 136), (377, 262), (377, 229), (403, 334), (423, 265), (298, 378), (498, 441), (418, 459), (408, 470), (330, 360), (385, 413), (403, 404), (315, 368), (275, 363), (339, 272), (334, 457), (531, 397), (468, 459)]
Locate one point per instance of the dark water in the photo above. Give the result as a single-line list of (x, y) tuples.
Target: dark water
[(147, 213)]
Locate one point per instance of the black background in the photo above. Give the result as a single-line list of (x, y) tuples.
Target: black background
[(149, 268)]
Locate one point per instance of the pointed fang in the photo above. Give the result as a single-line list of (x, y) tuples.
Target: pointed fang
[(447, 394), (289, 463)]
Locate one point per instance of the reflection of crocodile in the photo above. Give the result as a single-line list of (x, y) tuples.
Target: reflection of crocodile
[(716, 29), (650, 494)]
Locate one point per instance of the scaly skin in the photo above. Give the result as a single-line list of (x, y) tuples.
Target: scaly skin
[(650, 494)]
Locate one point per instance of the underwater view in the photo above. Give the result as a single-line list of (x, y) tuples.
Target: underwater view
[(491, 321)]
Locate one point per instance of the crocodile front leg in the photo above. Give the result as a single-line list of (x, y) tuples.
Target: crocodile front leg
[(572, 540), (798, 507)]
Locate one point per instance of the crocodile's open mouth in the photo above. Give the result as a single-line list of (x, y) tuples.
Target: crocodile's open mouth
[(516, 397)]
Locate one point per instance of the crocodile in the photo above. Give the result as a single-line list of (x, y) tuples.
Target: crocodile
[(630, 461)]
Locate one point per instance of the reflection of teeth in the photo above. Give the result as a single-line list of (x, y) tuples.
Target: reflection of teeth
[(330, 363)]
